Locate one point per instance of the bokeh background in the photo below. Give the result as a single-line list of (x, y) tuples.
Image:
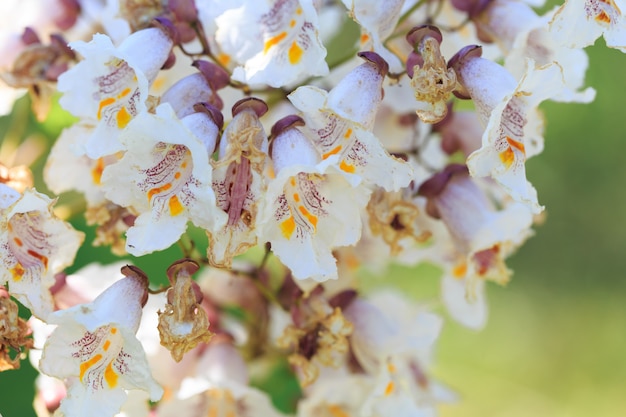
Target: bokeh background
[(556, 338)]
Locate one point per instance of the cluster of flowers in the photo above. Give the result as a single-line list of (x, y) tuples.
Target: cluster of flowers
[(227, 114)]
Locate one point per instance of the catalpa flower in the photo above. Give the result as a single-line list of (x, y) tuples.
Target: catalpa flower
[(34, 246), (521, 33), (95, 350), (514, 129), (109, 87), (277, 41), (377, 20), (238, 181), (170, 177), (341, 121), (481, 238), (310, 208), (220, 388), (578, 23)]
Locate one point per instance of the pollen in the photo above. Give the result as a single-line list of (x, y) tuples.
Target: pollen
[(274, 40), (123, 117), (295, 53), (175, 206), (287, 227)]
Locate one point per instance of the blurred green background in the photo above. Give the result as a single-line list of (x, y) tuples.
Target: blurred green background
[(555, 342)]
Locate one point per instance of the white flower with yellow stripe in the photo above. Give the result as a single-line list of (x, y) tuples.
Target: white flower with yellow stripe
[(310, 208), (341, 121), (34, 246), (509, 110), (109, 87), (95, 350), (277, 42), (165, 175)]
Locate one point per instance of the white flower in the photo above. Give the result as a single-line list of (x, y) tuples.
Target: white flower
[(514, 129), (170, 176), (578, 23), (277, 42), (95, 349), (378, 20), (341, 120), (35, 245), (109, 87), (310, 208)]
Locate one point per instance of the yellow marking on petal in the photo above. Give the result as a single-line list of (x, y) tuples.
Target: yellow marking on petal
[(349, 168), (110, 375), (96, 172), (113, 330), (292, 23), (40, 257), (223, 59), (124, 93), (212, 411), (460, 270), (299, 11), (177, 175), (17, 272), (389, 388), (17, 241), (103, 104), (175, 206), (364, 38), (183, 165), (391, 368), (292, 181), (159, 83), (296, 197), (106, 345), (348, 133), (287, 227), (507, 157), (310, 217), (86, 365), (516, 144), (336, 411), (333, 151), (273, 41), (123, 117), (158, 190), (603, 17), (295, 53)]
